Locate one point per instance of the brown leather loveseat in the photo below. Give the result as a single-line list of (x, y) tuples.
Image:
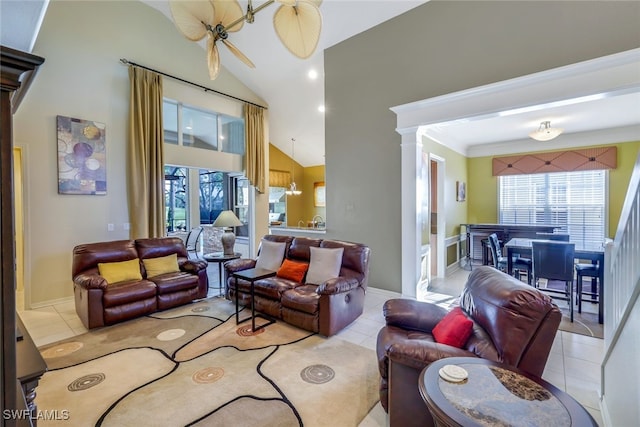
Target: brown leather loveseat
[(325, 308), (513, 323), (99, 303)]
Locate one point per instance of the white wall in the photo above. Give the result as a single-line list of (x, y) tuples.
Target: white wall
[(82, 43)]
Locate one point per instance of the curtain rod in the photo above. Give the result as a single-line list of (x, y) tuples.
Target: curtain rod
[(206, 89)]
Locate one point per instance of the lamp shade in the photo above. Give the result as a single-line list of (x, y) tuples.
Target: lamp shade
[(227, 219)]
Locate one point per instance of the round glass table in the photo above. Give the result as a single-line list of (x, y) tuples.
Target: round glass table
[(495, 394)]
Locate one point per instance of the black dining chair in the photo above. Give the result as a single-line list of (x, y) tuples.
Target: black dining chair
[(592, 271), (500, 262), (554, 261), (552, 236)]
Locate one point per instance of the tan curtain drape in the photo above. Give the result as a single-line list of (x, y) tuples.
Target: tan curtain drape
[(254, 147), (145, 155)]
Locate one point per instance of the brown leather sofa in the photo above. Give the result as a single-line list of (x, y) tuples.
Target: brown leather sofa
[(513, 323), (326, 308), (99, 304)]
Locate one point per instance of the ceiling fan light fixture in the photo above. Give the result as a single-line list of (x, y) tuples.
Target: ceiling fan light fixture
[(545, 132), (297, 23)]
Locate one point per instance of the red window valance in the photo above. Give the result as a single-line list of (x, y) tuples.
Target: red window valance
[(557, 161)]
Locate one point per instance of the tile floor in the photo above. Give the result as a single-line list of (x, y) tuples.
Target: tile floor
[(573, 365)]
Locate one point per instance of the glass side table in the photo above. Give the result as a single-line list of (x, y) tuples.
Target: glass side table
[(497, 394), (220, 258)]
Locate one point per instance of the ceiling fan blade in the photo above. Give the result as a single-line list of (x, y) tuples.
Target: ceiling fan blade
[(241, 56), (189, 15), (298, 27), (227, 12), (213, 57)]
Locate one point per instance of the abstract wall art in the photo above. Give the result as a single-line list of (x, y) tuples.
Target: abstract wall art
[(461, 191), (82, 157)]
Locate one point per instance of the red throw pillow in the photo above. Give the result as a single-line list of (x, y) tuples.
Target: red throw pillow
[(454, 329), (293, 270)]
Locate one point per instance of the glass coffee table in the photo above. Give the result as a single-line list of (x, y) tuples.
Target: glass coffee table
[(496, 394)]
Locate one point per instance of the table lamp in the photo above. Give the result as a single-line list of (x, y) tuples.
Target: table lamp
[(227, 219)]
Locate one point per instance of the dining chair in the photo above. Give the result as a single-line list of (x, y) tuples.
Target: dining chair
[(553, 236), (192, 239), (592, 271), (500, 262), (554, 260)]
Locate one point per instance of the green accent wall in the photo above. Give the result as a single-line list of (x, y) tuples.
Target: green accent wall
[(482, 188)]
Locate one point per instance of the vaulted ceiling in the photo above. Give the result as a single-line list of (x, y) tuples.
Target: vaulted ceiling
[(293, 97)]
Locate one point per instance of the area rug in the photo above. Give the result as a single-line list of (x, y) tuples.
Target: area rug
[(193, 366), (585, 323)]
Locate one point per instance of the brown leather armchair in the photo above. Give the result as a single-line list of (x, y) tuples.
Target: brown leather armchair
[(513, 323)]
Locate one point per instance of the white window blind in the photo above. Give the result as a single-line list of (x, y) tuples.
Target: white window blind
[(573, 201)]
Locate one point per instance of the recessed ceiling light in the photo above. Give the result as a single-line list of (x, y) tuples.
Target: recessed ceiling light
[(321, 108), (188, 127), (313, 74)]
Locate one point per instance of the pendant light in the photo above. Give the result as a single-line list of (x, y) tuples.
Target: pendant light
[(545, 132), (293, 189)]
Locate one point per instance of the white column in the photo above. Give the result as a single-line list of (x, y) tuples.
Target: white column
[(411, 158)]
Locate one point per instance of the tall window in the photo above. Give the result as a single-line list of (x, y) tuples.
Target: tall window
[(175, 198), (573, 201), (211, 195), (195, 127)]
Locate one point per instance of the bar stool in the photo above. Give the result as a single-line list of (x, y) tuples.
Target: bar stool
[(587, 270)]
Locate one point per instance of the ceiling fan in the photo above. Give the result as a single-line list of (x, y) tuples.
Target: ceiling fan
[(297, 24)]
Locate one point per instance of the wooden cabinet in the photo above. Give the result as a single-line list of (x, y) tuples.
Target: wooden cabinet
[(13, 64)]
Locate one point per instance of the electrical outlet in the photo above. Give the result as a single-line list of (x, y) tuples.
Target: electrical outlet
[(126, 226), (110, 227)]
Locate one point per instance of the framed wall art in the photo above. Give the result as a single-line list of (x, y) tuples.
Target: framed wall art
[(461, 191), (82, 157)]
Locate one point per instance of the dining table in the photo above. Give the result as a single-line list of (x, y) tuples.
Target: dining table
[(593, 252)]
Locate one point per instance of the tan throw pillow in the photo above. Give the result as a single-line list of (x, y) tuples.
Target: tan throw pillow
[(271, 255), (324, 264), (114, 272), (161, 265)]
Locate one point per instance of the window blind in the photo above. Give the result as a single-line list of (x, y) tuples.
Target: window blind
[(573, 201)]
